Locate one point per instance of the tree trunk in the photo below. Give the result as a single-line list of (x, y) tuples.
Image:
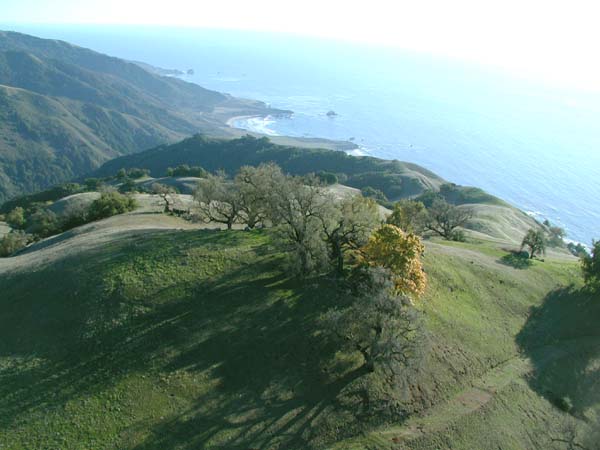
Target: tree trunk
[(338, 256), (340, 264), (304, 262), (251, 222)]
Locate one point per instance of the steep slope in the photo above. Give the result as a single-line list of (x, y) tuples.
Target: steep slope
[(64, 110), (161, 335), (45, 141)]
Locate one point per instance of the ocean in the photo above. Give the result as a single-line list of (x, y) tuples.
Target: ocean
[(533, 145)]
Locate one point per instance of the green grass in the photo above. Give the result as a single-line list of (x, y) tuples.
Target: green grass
[(189, 339), (475, 306), (199, 339), (525, 338)]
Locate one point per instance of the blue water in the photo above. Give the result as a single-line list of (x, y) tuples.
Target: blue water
[(535, 146)]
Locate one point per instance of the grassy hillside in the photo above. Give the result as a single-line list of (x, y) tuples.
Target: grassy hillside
[(64, 110), (161, 338), (493, 218), (394, 178), (513, 345)]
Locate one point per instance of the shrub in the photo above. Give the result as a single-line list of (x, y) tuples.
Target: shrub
[(429, 197), (577, 249), (93, 184), (184, 170), (74, 216), (50, 195), (13, 242), (327, 178), (556, 235), (43, 223), (110, 204), (518, 260), (128, 185), (458, 236), (134, 173), (373, 193), (16, 218)]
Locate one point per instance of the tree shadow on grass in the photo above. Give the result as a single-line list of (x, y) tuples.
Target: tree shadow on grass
[(562, 339), (251, 332), (272, 389), (251, 418), (516, 260)]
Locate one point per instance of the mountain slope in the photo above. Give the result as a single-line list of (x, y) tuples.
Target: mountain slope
[(394, 178), (162, 335), (494, 219), (67, 109)]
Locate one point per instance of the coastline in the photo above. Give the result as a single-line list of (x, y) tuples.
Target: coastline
[(229, 122), (306, 142)]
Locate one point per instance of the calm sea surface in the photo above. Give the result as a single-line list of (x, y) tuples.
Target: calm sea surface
[(535, 146)]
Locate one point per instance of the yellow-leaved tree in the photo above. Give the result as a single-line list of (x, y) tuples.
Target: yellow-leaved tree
[(400, 252)]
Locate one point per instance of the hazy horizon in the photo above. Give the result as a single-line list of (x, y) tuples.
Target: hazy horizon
[(550, 43)]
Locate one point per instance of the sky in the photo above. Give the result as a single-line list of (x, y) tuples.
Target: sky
[(556, 41)]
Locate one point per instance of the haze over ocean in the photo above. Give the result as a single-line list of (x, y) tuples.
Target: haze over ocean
[(536, 146)]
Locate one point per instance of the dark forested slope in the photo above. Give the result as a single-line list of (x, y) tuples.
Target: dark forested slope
[(394, 178)]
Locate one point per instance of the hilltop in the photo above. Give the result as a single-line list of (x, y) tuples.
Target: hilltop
[(163, 334), (494, 218), (396, 179)]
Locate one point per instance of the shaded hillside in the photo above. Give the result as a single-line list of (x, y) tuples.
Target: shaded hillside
[(64, 110), (396, 179), (159, 338), (45, 140)]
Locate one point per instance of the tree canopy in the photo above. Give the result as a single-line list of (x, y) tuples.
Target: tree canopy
[(165, 193), (386, 331), (348, 227), (535, 241), (443, 219), (218, 200), (400, 252), (591, 267), (408, 215)]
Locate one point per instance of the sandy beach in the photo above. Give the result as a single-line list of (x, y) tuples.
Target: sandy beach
[(230, 122)]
